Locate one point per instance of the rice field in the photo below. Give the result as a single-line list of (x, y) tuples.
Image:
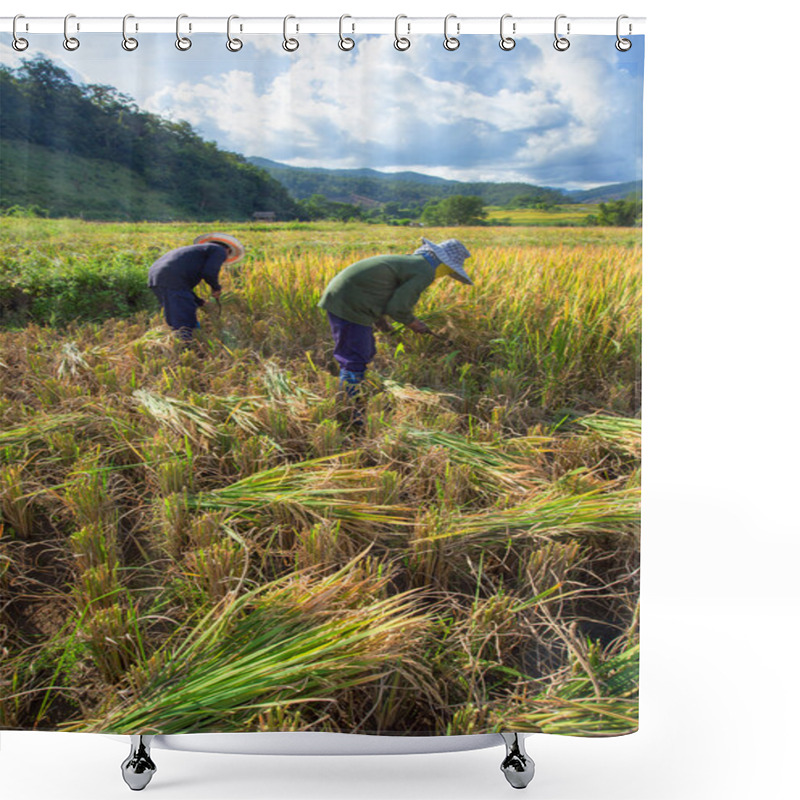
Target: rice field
[(576, 214), (199, 540)]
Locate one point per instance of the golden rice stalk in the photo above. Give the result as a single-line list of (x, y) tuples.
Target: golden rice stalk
[(179, 416), (87, 493), (545, 515), (94, 545), (72, 361), (15, 504), (216, 569), (574, 709), (114, 639), (98, 587), (39, 425), (297, 641), (317, 488)]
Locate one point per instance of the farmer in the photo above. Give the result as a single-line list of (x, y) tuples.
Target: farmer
[(359, 296), (174, 276)]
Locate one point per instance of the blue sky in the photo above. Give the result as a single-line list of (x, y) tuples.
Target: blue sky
[(568, 119)]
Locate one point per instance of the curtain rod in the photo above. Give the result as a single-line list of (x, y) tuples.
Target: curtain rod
[(406, 25)]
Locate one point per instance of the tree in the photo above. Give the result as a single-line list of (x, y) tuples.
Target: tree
[(41, 106), (456, 210), (619, 213)]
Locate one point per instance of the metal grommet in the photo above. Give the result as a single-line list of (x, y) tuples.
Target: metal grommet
[(451, 42), (182, 42), (234, 45), (561, 43), (289, 44), (70, 42), (128, 42), (507, 42), (345, 42), (623, 45), (401, 42), (19, 44)]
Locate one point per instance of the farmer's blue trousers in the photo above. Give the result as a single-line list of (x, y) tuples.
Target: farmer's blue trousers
[(353, 349), (180, 309)]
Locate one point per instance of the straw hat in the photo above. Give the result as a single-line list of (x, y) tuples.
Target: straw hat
[(231, 242), (453, 253)]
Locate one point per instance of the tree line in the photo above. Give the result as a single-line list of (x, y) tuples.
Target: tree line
[(42, 106)]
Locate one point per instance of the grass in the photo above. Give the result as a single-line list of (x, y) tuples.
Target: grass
[(199, 539), (559, 215)]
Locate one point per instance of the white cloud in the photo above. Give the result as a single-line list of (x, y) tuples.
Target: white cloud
[(534, 113)]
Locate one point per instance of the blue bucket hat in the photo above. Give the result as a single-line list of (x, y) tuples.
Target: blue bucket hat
[(450, 252)]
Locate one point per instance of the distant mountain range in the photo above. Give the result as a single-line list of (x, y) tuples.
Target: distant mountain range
[(367, 186), (604, 194)]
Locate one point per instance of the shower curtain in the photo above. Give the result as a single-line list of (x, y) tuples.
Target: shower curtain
[(380, 473)]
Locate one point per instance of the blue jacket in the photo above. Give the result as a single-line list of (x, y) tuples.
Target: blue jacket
[(185, 267)]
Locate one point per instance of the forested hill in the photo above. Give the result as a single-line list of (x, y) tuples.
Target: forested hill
[(64, 146), (405, 188)]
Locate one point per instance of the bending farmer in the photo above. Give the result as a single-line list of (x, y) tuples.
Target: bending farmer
[(359, 296), (174, 276)]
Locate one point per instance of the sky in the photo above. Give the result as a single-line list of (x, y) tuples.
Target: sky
[(565, 119)]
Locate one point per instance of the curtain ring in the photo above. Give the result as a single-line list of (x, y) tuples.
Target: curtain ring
[(182, 42), (401, 42), (19, 44), (345, 42), (561, 43), (70, 42), (623, 45), (289, 44), (128, 42), (507, 42), (451, 42), (234, 45)]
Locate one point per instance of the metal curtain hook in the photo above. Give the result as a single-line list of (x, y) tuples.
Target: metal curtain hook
[(561, 43), (128, 42), (19, 44), (451, 42), (182, 42), (345, 42), (234, 45), (70, 42), (401, 42), (507, 42), (289, 44), (623, 45)]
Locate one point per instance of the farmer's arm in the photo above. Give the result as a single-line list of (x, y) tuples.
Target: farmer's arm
[(401, 304), (215, 258)]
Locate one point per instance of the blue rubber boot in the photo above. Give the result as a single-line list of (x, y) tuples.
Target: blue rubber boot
[(350, 382)]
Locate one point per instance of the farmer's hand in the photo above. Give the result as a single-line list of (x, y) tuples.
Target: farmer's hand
[(383, 325), (418, 326), (216, 293)]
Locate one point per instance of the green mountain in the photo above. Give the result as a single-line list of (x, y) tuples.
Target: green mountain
[(88, 151), (370, 186), (66, 185), (604, 194)]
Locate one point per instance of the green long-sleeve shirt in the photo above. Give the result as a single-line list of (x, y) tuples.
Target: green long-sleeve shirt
[(379, 285)]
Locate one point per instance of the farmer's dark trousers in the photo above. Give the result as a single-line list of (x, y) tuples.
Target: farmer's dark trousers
[(353, 348), (180, 309)]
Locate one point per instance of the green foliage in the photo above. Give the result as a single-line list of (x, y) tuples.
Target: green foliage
[(24, 212), (457, 210), (43, 109), (540, 199), (619, 213), (52, 286), (319, 207)]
